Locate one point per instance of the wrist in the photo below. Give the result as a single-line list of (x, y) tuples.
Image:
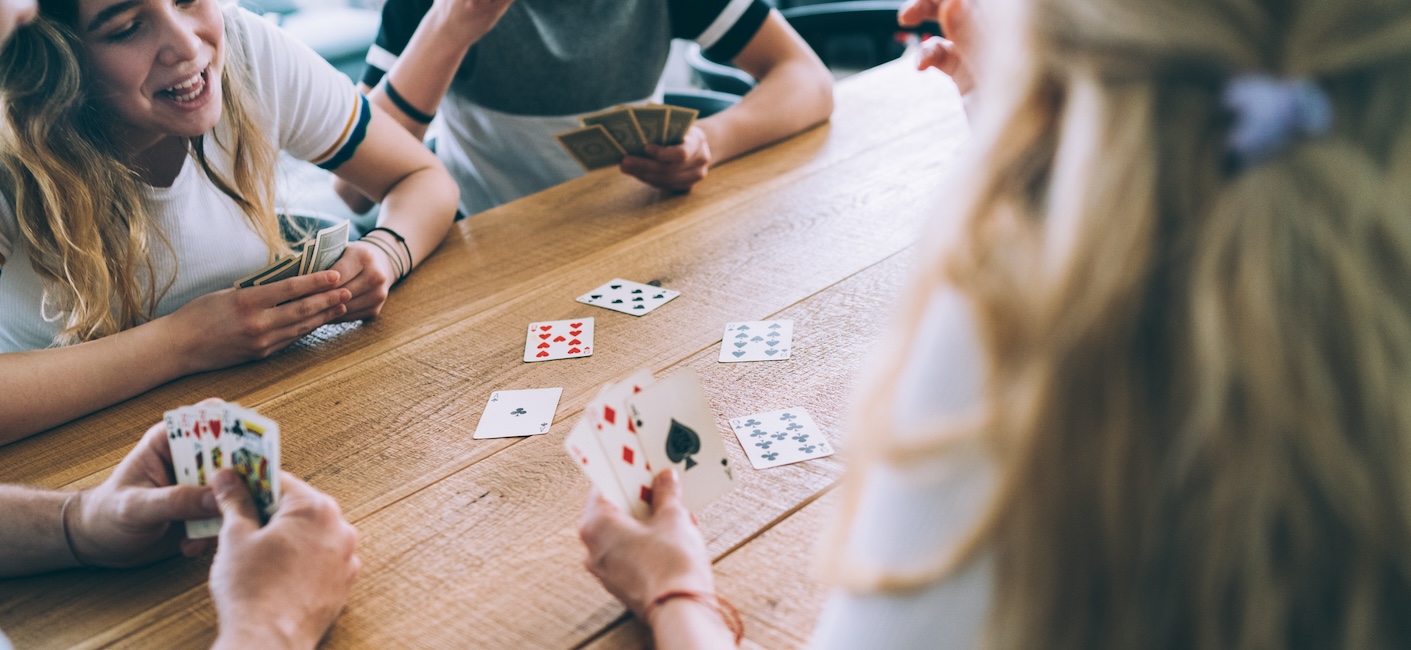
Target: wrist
[(261, 630)]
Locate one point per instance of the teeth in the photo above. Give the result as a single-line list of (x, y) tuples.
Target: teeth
[(195, 79)]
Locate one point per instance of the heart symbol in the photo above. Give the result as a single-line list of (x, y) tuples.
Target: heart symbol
[(574, 350), (544, 336), (559, 339), (575, 342), (741, 344), (574, 326), (738, 353), (546, 328), (575, 332), (542, 354), (543, 346)]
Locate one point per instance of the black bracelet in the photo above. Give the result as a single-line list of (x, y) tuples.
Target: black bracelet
[(404, 105), (400, 240), (392, 256)]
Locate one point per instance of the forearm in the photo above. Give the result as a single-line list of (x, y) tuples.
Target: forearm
[(761, 117), (45, 388), (32, 536), (421, 208), (682, 624), (424, 71)]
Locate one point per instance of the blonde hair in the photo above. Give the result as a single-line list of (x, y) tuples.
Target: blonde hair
[(1197, 380), (79, 203)]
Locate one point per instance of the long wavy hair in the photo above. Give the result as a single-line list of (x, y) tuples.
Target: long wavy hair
[(1198, 387), (76, 196)]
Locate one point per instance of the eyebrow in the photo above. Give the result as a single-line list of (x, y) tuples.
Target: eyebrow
[(108, 13)]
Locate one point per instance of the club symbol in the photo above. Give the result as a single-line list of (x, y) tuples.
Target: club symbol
[(764, 444), (780, 436), (794, 426), (751, 423), (769, 455), (758, 432), (518, 412), (682, 443), (808, 449), (802, 437), (788, 416), (637, 299), (495, 397)]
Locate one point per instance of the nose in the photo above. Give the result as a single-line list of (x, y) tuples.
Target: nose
[(180, 42)]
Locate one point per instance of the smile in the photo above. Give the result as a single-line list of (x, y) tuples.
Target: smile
[(189, 90)]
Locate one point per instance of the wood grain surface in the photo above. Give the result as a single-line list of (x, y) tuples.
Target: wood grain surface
[(472, 543)]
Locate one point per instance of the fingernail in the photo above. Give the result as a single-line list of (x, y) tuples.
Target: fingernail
[(208, 501)]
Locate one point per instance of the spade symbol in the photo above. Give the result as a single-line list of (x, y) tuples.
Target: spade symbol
[(594, 296), (757, 339), (740, 344), (639, 307), (744, 327), (738, 353), (614, 286), (617, 302), (636, 291), (771, 343), (742, 336), (659, 296), (518, 412), (637, 299), (682, 443), (771, 352), (775, 326)]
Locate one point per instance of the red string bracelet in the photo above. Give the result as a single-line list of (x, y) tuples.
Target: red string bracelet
[(722, 607)]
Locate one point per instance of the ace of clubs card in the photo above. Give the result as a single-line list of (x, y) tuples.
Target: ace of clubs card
[(514, 413)]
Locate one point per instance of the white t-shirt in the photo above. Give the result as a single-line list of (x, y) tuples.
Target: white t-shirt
[(310, 110), (906, 518)]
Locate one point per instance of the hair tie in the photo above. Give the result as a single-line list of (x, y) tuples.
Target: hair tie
[(1271, 114)]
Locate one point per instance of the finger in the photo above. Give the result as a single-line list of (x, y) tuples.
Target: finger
[(600, 517), (349, 268), (277, 293), (236, 506), (289, 334), (938, 53), (672, 154), (915, 12), (304, 308), (295, 493), (666, 492), (154, 506), (194, 547)]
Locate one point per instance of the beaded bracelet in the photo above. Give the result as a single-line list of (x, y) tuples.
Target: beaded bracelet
[(722, 607), (404, 105)]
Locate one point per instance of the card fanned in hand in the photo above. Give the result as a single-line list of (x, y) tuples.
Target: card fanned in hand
[(214, 435)]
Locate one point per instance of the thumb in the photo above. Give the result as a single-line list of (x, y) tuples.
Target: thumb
[(168, 504), (236, 506), (666, 491)]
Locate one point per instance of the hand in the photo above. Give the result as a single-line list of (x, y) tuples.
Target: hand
[(466, 21), (638, 561), (287, 580), (370, 276), (233, 326), (952, 54), (676, 167), (915, 12), (943, 54), (128, 519)]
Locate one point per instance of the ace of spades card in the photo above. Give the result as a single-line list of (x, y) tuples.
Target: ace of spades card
[(677, 429)]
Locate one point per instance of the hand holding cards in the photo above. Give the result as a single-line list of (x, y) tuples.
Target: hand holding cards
[(609, 136), (319, 253), (213, 435), (638, 427)]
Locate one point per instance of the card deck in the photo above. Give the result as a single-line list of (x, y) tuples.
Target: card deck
[(592, 147), (628, 297), (623, 127), (319, 253), (209, 437), (559, 339), (761, 340), (780, 437), (513, 413), (677, 429)]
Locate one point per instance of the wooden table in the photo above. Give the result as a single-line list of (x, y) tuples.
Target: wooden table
[(472, 543)]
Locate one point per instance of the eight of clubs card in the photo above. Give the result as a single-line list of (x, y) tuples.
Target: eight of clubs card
[(515, 413), (763, 340), (677, 429), (559, 339), (628, 297), (780, 437)]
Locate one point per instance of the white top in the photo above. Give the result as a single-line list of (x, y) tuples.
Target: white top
[(311, 111), (907, 518)]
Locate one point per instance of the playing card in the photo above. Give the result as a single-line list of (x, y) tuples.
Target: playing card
[(623, 128), (582, 445), (677, 429), (255, 456), (592, 147), (628, 297), (617, 434), (652, 120), (328, 247), (183, 454), (559, 339), (761, 340), (284, 268), (678, 122), (511, 413), (780, 437)]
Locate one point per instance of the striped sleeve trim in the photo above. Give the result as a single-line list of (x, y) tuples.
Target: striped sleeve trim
[(353, 133), (739, 34), (379, 61), (723, 22)]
